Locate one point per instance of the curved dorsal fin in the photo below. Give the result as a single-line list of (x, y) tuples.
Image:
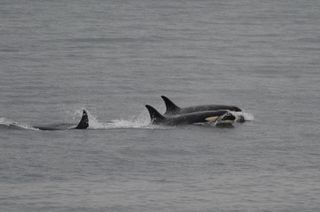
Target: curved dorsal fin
[(155, 116), (84, 122), (171, 108)]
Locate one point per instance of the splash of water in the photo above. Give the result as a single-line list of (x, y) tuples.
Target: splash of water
[(141, 121), (247, 116)]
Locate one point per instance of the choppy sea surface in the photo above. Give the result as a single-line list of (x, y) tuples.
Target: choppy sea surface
[(113, 57)]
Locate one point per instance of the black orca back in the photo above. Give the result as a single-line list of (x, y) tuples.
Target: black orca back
[(155, 116), (84, 122), (173, 109)]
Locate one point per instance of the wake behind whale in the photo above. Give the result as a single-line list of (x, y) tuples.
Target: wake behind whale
[(9, 124)]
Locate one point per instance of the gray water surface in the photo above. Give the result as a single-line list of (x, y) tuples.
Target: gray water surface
[(112, 58)]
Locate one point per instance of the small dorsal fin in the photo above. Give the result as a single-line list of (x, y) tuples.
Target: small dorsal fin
[(171, 107), (84, 122), (155, 116)]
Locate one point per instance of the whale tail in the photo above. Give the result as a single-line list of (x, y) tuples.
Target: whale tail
[(84, 122), (155, 116), (171, 108)]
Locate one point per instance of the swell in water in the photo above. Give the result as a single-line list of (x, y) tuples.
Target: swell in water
[(10, 124)]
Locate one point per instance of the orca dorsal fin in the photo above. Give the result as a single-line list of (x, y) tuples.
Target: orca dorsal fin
[(155, 116), (171, 108), (84, 122)]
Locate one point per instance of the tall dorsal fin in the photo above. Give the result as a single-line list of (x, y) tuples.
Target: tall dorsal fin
[(170, 106), (155, 116), (84, 122)]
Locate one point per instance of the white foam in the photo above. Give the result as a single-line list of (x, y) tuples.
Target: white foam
[(141, 121), (247, 116)]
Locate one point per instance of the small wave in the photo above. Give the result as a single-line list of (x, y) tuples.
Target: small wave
[(9, 124)]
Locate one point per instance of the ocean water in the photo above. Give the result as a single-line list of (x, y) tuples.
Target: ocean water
[(113, 57)]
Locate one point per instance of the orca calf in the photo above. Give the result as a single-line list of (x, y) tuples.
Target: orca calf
[(83, 124), (173, 109), (219, 118)]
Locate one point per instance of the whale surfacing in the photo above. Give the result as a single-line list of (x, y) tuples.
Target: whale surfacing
[(217, 117), (83, 124), (173, 109)]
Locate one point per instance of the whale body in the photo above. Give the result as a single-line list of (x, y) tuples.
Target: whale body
[(173, 109), (83, 124), (218, 117)]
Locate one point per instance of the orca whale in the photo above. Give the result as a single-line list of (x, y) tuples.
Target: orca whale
[(217, 117), (173, 109), (83, 124)]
